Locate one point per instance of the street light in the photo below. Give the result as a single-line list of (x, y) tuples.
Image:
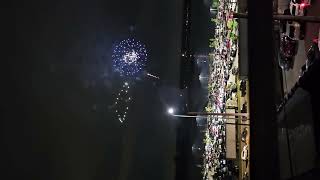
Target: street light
[(203, 77), (171, 111), (205, 114)]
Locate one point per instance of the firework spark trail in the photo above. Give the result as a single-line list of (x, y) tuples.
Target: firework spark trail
[(122, 102), (151, 75)]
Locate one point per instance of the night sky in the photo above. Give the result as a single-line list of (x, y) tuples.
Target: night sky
[(58, 121)]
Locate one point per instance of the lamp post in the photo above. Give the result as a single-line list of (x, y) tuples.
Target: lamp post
[(217, 114), (206, 114), (312, 19), (203, 77)]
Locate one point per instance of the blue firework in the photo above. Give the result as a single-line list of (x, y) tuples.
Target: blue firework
[(129, 57)]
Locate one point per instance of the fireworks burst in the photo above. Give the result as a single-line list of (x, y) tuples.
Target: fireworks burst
[(129, 57)]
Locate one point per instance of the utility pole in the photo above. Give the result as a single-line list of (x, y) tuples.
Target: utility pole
[(314, 19), (264, 160)]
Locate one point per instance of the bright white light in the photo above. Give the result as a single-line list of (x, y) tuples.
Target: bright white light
[(170, 110), (202, 77), (126, 83), (131, 57)]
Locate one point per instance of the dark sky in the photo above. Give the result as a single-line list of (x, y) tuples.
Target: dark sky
[(58, 122)]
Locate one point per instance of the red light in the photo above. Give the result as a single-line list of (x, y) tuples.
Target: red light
[(315, 40), (302, 5)]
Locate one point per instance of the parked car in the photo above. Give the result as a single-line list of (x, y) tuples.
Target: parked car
[(292, 29), (282, 6), (290, 33), (299, 8)]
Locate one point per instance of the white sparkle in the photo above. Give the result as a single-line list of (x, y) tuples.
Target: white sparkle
[(131, 57)]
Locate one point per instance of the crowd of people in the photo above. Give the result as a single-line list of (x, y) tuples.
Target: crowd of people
[(224, 48)]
